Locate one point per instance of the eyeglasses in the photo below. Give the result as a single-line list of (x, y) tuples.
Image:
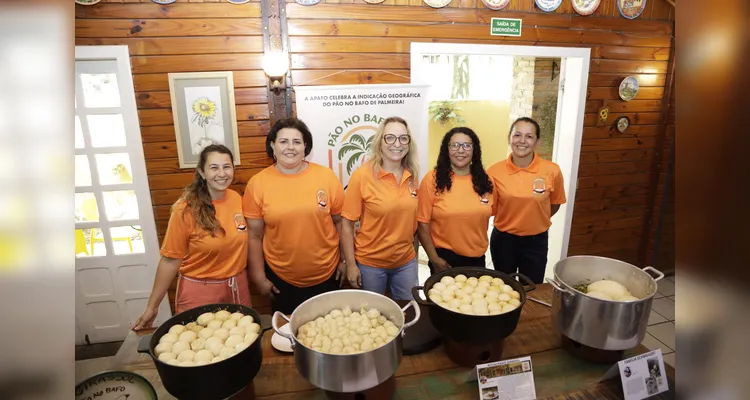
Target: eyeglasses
[(391, 139), (456, 145)]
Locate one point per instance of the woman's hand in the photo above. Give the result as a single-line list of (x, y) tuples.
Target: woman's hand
[(354, 276), (341, 273), (146, 319), (267, 288), (440, 264)]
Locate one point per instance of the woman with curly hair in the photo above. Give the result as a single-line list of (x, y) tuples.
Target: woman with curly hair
[(455, 204)]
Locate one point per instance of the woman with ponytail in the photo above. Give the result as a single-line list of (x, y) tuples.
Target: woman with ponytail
[(205, 243), (455, 204)]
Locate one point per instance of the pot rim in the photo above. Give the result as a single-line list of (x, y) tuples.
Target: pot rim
[(572, 290), (434, 278)]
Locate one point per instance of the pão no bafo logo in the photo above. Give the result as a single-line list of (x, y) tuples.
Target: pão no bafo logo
[(349, 143)]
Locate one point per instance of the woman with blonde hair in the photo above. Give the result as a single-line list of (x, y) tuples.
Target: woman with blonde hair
[(382, 196), (206, 242)]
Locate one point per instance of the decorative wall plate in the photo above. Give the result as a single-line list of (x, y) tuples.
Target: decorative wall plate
[(87, 2), (585, 7), (496, 4), (548, 5), (622, 124), (115, 385), (163, 2), (628, 88), (631, 9), (437, 3), (307, 2), (374, 1), (238, 1)]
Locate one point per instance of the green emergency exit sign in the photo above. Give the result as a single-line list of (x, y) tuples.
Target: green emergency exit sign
[(505, 27)]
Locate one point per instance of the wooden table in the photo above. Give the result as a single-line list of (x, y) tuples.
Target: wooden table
[(432, 375)]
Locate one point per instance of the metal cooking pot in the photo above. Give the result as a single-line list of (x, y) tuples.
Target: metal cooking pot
[(347, 373), (475, 329), (220, 380), (602, 324)]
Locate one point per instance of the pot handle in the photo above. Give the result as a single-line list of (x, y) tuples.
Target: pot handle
[(656, 272), (144, 343), (556, 285), (265, 322), (417, 313), (531, 286), (415, 293), (276, 326)]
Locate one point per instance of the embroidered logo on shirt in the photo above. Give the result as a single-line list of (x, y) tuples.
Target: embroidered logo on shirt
[(239, 222), (539, 186), (322, 198), (412, 189)]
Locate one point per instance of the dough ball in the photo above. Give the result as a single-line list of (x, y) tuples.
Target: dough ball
[(391, 331), (507, 289), (169, 338), (320, 321), (439, 286), (496, 289), (240, 347), (188, 336), (451, 288), (186, 363), (229, 324), (436, 297), (481, 290), (337, 313), (508, 307), (497, 282), (222, 315), (227, 352), (328, 317), (200, 363), (337, 350), (373, 313), (346, 311), (203, 355), (460, 278), (177, 329), (485, 278), (179, 347), (514, 302), (245, 321), (198, 344), (382, 319), (212, 339), (599, 295), (206, 333), (215, 324), (448, 296), (250, 338), (237, 330), (186, 355), (454, 303), (205, 318), (515, 295), (355, 315), (221, 333), (466, 308), (477, 295), (479, 303), (163, 348), (495, 308), (236, 316), (472, 281), (612, 289), (173, 361), (447, 280), (374, 322), (215, 348), (217, 359), (480, 311), (491, 295), (233, 341), (166, 356), (503, 297)]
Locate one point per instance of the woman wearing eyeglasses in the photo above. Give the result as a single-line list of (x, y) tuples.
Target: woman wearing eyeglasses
[(455, 204), (529, 192), (382, 196)]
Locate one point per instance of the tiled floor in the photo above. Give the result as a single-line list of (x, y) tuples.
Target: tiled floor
[(661, 327)]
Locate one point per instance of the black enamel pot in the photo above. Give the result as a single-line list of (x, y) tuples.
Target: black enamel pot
[(216, 381), (474, 329)]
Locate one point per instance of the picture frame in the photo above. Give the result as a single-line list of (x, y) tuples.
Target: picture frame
[(204, 113)]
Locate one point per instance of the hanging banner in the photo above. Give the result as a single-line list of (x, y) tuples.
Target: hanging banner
[(343, 120)]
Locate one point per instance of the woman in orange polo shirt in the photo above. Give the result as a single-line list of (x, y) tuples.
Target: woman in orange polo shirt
[(205, 243), (529, 192), (293, 209), (455, 204), (382, 195)]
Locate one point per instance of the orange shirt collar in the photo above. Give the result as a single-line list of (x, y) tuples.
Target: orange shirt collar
[(383, 173), (533, 167)]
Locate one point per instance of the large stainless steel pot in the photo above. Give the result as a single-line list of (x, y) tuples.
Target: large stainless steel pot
[(602, 324), (346, 373)]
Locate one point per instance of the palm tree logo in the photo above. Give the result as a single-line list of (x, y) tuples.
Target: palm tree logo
[(358, 146)]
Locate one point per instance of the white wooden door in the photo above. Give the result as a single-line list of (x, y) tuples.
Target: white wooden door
[(116, 244)]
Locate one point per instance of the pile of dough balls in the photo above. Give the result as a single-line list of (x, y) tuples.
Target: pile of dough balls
[(474, 296), (213, 337), (607, 289), (348, 332)]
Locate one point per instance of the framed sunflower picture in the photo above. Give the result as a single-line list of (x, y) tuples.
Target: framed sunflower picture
[(204, 114)]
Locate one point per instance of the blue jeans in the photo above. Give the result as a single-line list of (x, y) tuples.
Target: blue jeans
[(400, 280)]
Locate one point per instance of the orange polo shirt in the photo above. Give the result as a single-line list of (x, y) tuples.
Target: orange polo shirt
[(387, 211), (458, 218), (525, 195), (204, 256), (300, 241)]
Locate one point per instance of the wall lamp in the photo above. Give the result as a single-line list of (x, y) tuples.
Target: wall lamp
[(276, 66)]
